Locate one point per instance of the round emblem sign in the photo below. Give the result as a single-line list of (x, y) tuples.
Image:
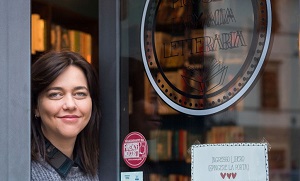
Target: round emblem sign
[(134, 149), (201, 56)]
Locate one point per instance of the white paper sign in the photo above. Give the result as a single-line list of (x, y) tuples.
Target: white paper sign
[(131, 176), (234, 161)]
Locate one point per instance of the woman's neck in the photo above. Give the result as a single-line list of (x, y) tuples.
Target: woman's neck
[(63, 144), (66, 146)]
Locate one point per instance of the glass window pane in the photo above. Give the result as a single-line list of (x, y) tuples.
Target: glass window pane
[(202, 71)]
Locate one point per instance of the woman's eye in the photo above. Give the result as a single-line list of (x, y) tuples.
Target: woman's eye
[(80, 94), (55, 95)]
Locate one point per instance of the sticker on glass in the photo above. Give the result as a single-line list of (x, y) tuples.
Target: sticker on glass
[(134, 149)]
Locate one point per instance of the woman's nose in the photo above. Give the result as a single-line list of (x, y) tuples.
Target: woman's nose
[(69, 103)]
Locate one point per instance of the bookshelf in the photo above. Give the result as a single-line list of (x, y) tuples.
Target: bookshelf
[(56, 27)]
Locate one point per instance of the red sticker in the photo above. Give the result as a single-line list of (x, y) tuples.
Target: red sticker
[(134, 149)]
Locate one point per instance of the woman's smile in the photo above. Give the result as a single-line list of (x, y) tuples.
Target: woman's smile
[(69, 118)]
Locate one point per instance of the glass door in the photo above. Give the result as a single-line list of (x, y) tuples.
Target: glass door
[(208, 72)]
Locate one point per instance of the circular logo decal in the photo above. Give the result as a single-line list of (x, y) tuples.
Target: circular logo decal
[(134, 149), (201, 56)]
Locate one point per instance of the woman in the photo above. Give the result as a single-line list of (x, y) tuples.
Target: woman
[(65, 121)]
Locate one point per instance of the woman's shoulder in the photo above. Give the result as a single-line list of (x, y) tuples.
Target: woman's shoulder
[(41, 170)]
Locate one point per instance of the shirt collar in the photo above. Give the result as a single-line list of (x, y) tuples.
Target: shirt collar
[(59, 161)]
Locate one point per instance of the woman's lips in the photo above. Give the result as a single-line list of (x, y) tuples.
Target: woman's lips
[(69, 118)]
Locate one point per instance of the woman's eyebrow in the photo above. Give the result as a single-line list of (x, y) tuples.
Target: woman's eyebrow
[(81, 87), (60, 88), (54, 88)]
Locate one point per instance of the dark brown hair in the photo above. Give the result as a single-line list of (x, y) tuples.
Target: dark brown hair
[(43, 72)]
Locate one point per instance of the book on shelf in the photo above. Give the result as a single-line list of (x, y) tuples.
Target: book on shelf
[(166, 145), (157, 177), (161, 148), (170, 177), (182, 144), (38, 33), (73, 40), (225, 134), (175, 146), (270, 88), (61, 38), (177, 177)]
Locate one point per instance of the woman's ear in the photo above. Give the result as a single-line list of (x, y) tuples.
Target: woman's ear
[(36, 112)]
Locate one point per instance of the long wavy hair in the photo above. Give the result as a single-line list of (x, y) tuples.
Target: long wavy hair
[(43, 72)]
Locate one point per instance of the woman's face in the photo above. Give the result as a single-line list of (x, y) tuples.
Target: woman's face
[(65, 106)]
